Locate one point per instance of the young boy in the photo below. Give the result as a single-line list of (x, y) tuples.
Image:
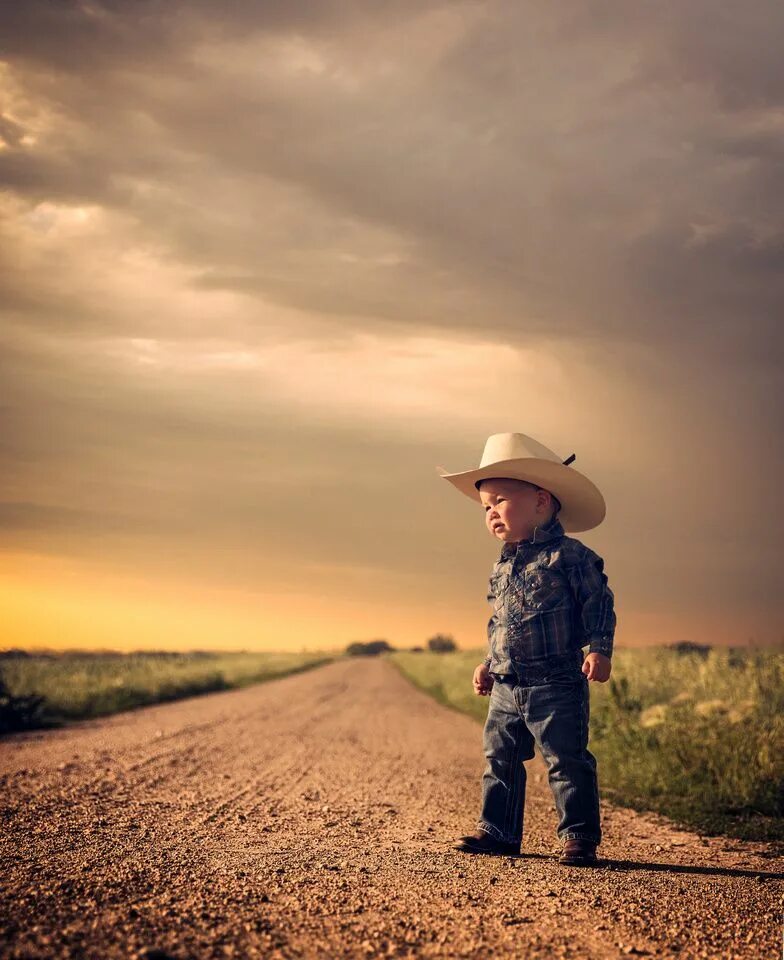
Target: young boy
[(550, 598)]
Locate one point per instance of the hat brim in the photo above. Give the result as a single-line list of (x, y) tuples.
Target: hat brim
[(582, 504)]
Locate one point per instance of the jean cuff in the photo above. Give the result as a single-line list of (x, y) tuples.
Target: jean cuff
[(582, 836), (495, 832)]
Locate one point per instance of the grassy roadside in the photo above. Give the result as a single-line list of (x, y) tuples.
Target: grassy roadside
[(698, 738), (50, 690)]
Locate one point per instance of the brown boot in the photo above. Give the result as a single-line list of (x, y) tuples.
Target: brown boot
[(482, 842), (578, 853)]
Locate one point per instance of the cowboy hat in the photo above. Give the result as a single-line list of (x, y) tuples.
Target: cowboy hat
[(520, 457)]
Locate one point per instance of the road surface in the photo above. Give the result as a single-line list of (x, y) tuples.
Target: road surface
[(314, 816)]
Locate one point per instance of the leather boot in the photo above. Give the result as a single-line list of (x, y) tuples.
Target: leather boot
[(482, 842), (578, 853)]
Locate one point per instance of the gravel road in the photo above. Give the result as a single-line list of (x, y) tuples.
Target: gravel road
[(314, 816)]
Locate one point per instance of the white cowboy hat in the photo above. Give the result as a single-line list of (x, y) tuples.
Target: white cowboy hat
[(523, 458)]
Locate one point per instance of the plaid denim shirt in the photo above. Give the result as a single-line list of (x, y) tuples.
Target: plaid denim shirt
[(550, 598)]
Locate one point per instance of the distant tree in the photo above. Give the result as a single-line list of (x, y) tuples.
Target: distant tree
[(441, 643), (371, 648), (416, 649), (20, 713), (688, 646)]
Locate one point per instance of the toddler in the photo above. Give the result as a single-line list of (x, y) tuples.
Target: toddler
[(550, 598)]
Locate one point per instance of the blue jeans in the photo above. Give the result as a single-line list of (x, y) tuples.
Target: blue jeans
[(545, 703)]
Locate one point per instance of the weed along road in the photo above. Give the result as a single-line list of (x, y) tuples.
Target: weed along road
[(314, 816)]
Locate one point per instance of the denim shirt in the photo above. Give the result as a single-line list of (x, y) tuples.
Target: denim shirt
[(550, 598)]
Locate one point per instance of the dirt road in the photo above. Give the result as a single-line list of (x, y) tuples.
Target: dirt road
[(313, 816)]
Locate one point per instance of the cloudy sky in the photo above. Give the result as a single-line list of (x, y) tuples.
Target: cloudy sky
[(266, 264)]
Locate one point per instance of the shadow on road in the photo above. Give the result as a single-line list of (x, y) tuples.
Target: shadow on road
[(707, 871), (661, 867)]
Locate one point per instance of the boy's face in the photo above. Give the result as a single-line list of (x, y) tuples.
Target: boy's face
[(513, 509)]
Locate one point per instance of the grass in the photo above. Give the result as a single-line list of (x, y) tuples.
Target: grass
[(49, 690), (699, 738)]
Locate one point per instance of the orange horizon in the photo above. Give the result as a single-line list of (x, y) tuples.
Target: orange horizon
[(52, 604)]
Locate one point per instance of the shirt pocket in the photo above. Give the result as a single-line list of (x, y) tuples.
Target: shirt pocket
[(544, 588), (497, 586)]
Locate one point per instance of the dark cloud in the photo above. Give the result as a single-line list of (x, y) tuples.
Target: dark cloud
[(547, 176), (87, 36)]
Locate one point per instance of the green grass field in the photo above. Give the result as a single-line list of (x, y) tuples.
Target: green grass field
[(43, 690), (699, 738)]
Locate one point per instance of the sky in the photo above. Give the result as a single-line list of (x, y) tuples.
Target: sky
[(265, 265)]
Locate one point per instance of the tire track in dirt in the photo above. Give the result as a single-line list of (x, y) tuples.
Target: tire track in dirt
[(314, 816)]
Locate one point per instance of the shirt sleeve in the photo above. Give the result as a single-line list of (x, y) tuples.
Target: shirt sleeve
[(596, 602), (490, 625)]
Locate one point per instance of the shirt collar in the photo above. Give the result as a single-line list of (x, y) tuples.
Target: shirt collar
[(544, 533)]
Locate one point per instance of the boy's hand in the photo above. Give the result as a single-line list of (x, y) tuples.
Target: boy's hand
[(483, 682), (597, 667)]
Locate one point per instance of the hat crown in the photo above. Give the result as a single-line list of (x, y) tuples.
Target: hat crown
[(514, 446)]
